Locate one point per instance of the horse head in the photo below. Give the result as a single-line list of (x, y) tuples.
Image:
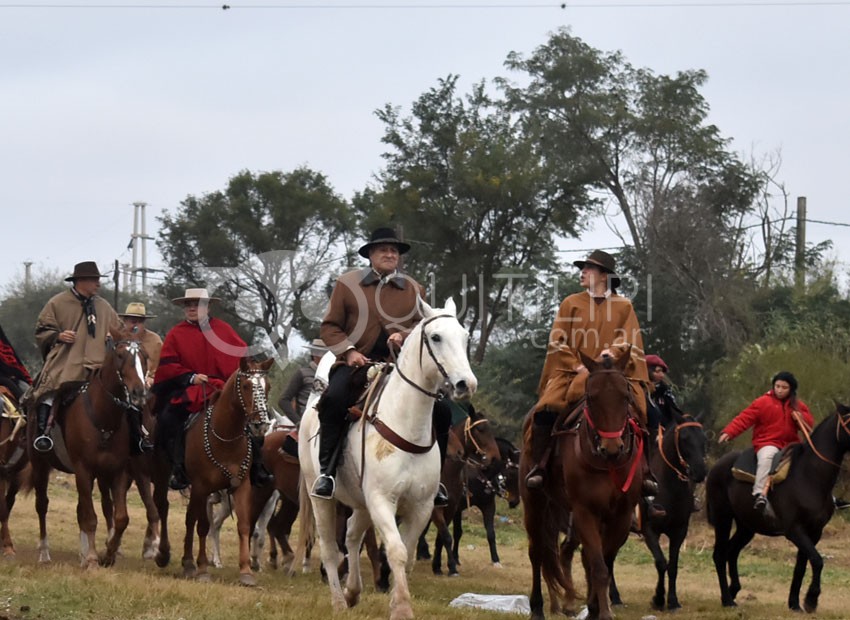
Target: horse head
[(252, 390), (842, 412), (509, 479), (609, 397), (126, 357), (480, 443), (441, 349), (689, 443)]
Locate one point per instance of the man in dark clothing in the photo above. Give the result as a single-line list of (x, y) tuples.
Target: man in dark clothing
[(294, 398), (13, 374), (371, 310)]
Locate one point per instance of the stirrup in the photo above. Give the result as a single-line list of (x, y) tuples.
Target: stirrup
[(534, 479), (320, 489), (441, 499), (43, 443)]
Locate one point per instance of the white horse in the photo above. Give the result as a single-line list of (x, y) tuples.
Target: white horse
[(398, 486)]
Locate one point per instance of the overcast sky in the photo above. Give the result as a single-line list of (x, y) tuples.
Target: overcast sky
[(103, 106)]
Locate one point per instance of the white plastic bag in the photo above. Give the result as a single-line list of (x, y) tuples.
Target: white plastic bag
[(510, 603)]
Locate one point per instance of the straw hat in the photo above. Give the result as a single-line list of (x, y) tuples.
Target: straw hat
[(194, 294), (136, 309)]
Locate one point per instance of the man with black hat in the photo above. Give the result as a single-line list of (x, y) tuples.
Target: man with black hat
[(370, 311), (294, 398), (71, 334), (596, 322)]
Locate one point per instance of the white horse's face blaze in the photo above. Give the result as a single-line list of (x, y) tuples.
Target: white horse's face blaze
[(132, 366)]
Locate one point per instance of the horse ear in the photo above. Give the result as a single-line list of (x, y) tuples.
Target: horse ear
[(450, 306), (243, 364), (264, 366), (110, 342), (624, 358), (588, 362), (841, 408), (424, 309)]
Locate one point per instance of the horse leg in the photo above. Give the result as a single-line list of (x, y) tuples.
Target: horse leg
[(160, 499), (423, 552), (197, 506), (143, 485), (566, 554), (260, 525), (806, 552), (613, 591), (596, 569), (400, 542), (739, 540), (217, 512), (8, 490), (720, 555), (242, 504), (358, 523), (86, 517), (488, 512), (107, 506), (378, 559), (121, 518), (676, 540), (651, 539), (40, 477), (325, 514)]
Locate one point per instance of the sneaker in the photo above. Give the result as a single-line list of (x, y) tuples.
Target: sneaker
[(760, 502), (43, 443), (441, 499), (324, 487)]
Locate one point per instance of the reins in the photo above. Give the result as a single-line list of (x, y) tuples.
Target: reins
[(424, 343), (681, 475), (807, 433)]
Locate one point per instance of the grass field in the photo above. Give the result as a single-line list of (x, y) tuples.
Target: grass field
[(137, 589)]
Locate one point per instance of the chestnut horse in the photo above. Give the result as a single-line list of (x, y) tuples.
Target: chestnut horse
[(803, 504), (219, 456), (91, 439), (590, 491), (13, 458)]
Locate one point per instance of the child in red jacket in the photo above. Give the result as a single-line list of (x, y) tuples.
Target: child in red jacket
[(773, 428)]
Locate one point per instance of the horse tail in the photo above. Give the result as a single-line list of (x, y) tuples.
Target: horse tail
[(548, 553), (307, 527)]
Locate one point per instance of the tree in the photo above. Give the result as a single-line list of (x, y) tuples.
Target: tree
[(267, 244), (492, 204)]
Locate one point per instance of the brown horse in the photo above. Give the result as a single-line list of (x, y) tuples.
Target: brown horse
[(219, 456), (803, 504), (13, 458), (479, 448), (590, 491), (91, 439)]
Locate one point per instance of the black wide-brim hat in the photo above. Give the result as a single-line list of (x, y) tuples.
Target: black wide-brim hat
[(381, 236), (86, 269), (605, 262)]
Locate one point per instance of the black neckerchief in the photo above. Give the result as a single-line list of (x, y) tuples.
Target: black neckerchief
[(88, 308), (370, 276)]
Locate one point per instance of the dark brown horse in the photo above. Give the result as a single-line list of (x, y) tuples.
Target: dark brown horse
[(481, 492), (479, 447), (591, 489), (218, 456), (678, 463), (802, 503), (91, 439), (13, 458)]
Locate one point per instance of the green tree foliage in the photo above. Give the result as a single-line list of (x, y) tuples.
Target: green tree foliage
[(476, 198), (266, 244), (20, 307)]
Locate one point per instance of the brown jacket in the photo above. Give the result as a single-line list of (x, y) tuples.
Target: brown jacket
[(361, 305), (152, 344), (64, 363), (583, 325)]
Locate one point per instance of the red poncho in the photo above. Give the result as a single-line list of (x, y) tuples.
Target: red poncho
[(213, 349)]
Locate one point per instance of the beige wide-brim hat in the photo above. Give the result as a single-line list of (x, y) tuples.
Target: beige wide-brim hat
[(137, 310), (194, 294)]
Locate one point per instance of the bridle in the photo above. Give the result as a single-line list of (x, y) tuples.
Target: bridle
[(684, 473), (469, 437), (841, 423), (135, 349), (424, 343), (259, 397)]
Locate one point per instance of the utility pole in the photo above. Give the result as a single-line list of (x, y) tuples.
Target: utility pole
[(800, 249), (27, 275), (139, 233), (115, 276)]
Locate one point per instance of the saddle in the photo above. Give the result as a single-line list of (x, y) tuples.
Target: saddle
[(744, 468), (290, 445)]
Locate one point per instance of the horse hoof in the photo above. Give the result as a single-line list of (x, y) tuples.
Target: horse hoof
[(255, 565), (9, 552), (351, 599), (106, 560), (247, 579), (402, 612), (162, 559), (497, 565), (454, 574)]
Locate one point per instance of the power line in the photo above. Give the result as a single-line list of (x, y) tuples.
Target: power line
[(439, 5)]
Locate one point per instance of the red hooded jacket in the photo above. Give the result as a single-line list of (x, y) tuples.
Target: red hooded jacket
[(771, 421)]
